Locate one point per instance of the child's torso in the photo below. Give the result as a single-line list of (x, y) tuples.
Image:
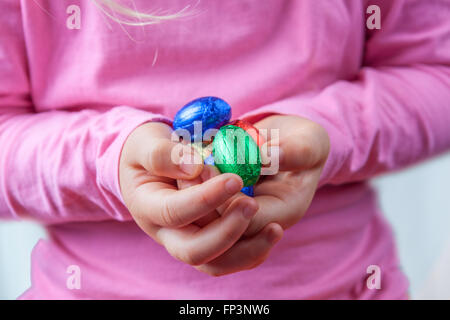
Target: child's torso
[(249, 52)]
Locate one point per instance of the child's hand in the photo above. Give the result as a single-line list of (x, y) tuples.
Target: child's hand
[(148, 186), (285, 197)]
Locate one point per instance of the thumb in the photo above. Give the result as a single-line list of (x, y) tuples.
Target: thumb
[(171, 159), (303, 144), (300, 152)]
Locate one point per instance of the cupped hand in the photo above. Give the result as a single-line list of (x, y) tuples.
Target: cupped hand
[(148, 172), (284, 197)]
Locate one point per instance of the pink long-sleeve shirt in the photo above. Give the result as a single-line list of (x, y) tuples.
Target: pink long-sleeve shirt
[(70, 97)]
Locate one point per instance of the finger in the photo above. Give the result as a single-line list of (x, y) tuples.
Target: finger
[(210, 172), (271, 209), (237, 197), (205, 244), (282, 202), (296, 153), (184, 184), (245, 254), (152, 147), (207, 173), (177, 208), (205, 220), (171, 159), (302, 144)]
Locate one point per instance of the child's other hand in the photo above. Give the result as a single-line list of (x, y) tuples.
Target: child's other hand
[(148, 185), (284, 198)]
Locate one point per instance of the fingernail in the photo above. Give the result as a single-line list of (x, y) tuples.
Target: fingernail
[(232, 186), (249, 212)]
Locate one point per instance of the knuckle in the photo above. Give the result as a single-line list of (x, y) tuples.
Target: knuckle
[(301, 211), (304, 205), (215, 272), (306, 152), (155, 161), (230, 235), (135, 208), (253, 228), (294, 216), (257, 262), (205, 200), (131, 201), (321, 142), (191, 257), (208, 270), (169, 215), (257, 258)]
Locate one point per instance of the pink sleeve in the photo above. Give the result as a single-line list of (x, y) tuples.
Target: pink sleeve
[(56, 166), (397, 110)]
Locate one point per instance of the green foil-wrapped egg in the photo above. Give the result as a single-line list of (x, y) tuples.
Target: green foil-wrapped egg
[(235, 151)]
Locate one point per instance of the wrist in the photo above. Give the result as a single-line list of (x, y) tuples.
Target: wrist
[(122, 121)]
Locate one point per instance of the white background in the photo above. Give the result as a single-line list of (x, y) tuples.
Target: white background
[(416, 201)]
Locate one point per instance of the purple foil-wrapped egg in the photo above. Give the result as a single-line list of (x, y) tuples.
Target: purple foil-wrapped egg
[(210, 112)]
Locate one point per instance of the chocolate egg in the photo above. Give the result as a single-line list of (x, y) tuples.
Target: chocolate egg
[(251, 130), (211, 112), (235, 151), (209, 160), (249, 191)]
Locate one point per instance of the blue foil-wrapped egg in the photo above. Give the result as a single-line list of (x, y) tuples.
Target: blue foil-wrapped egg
[(211, 112), (209, 160), (249, 191)]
